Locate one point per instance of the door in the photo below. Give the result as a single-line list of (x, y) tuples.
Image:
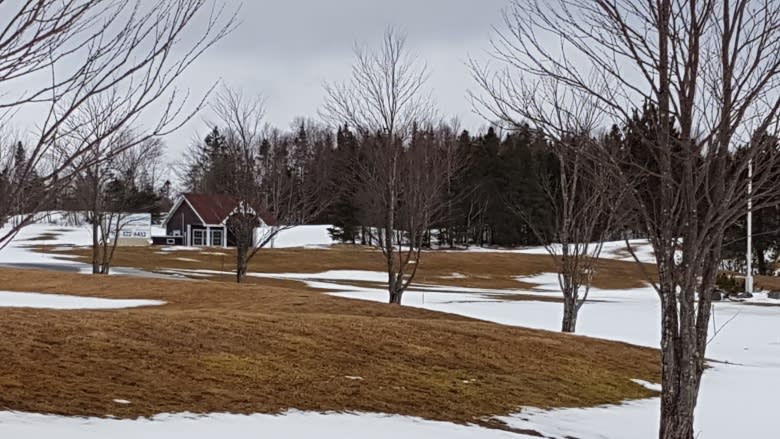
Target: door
[(198, 238), (216, 237)]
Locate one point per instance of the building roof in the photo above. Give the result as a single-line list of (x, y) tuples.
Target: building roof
[(212, 209), (215, 209)]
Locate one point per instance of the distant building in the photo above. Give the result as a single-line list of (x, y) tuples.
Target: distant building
[(200, 220)]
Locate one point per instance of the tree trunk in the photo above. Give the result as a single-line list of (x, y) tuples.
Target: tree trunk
[(396, 294), (676, 417), (107, 255), (569, 324), (241, 263), (763, 267), (395, 297), (109, 249), (241, 273), (95, 246), (681, 370), (678, 398), (394, 286)]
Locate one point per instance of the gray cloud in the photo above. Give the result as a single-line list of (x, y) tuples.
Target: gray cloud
[(309, 27), (287, 49)]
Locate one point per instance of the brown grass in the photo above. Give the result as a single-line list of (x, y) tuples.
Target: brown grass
[(492, 270), (219, 347)]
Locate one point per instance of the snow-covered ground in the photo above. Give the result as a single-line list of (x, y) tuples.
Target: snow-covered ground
[(57, 229), (738, 396), (291, 425), (616, 250), (60, 301), (19, 253), (303, 236)]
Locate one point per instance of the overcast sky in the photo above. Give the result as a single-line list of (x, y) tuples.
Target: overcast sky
[(285, 49)]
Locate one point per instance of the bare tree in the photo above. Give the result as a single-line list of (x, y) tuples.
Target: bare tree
[(56, 57), (386, 93), (401, 202), (107, 157), (576, 190), (582, 220), (275, 189), (108, 187), (386, 102), (709, 74)]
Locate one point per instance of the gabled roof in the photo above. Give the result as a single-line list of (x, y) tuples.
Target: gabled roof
[(214, 209)]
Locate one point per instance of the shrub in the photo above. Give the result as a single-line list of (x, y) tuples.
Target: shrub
[(730, 284)]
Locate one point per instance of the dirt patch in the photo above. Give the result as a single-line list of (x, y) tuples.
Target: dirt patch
[(221, 347)]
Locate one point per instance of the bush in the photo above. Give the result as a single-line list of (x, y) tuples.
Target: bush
[(730, 284)]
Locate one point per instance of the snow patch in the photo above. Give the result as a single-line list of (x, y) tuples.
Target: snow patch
[(180, 248), (302, 236), (648, 385), (616, 250), (10, 299), (292, 425)]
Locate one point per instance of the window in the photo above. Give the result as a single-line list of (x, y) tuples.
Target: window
[(216, 237), (198, 238)]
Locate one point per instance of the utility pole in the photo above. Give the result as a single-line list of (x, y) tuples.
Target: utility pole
[(749, 277)]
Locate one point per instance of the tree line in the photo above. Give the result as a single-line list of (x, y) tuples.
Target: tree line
[(484, 173)]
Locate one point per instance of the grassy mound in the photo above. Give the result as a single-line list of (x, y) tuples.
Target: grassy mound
[(219, 347)]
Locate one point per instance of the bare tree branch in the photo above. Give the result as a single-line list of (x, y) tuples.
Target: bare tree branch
[(127, 55)]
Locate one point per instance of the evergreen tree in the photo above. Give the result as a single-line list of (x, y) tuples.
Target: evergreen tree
[(528, 165), (29, 185), (344, 213), (207, 168)]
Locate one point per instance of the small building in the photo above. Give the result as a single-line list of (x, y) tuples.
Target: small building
[(200, 220)]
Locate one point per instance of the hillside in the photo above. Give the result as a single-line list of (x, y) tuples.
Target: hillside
[(216, 347)]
